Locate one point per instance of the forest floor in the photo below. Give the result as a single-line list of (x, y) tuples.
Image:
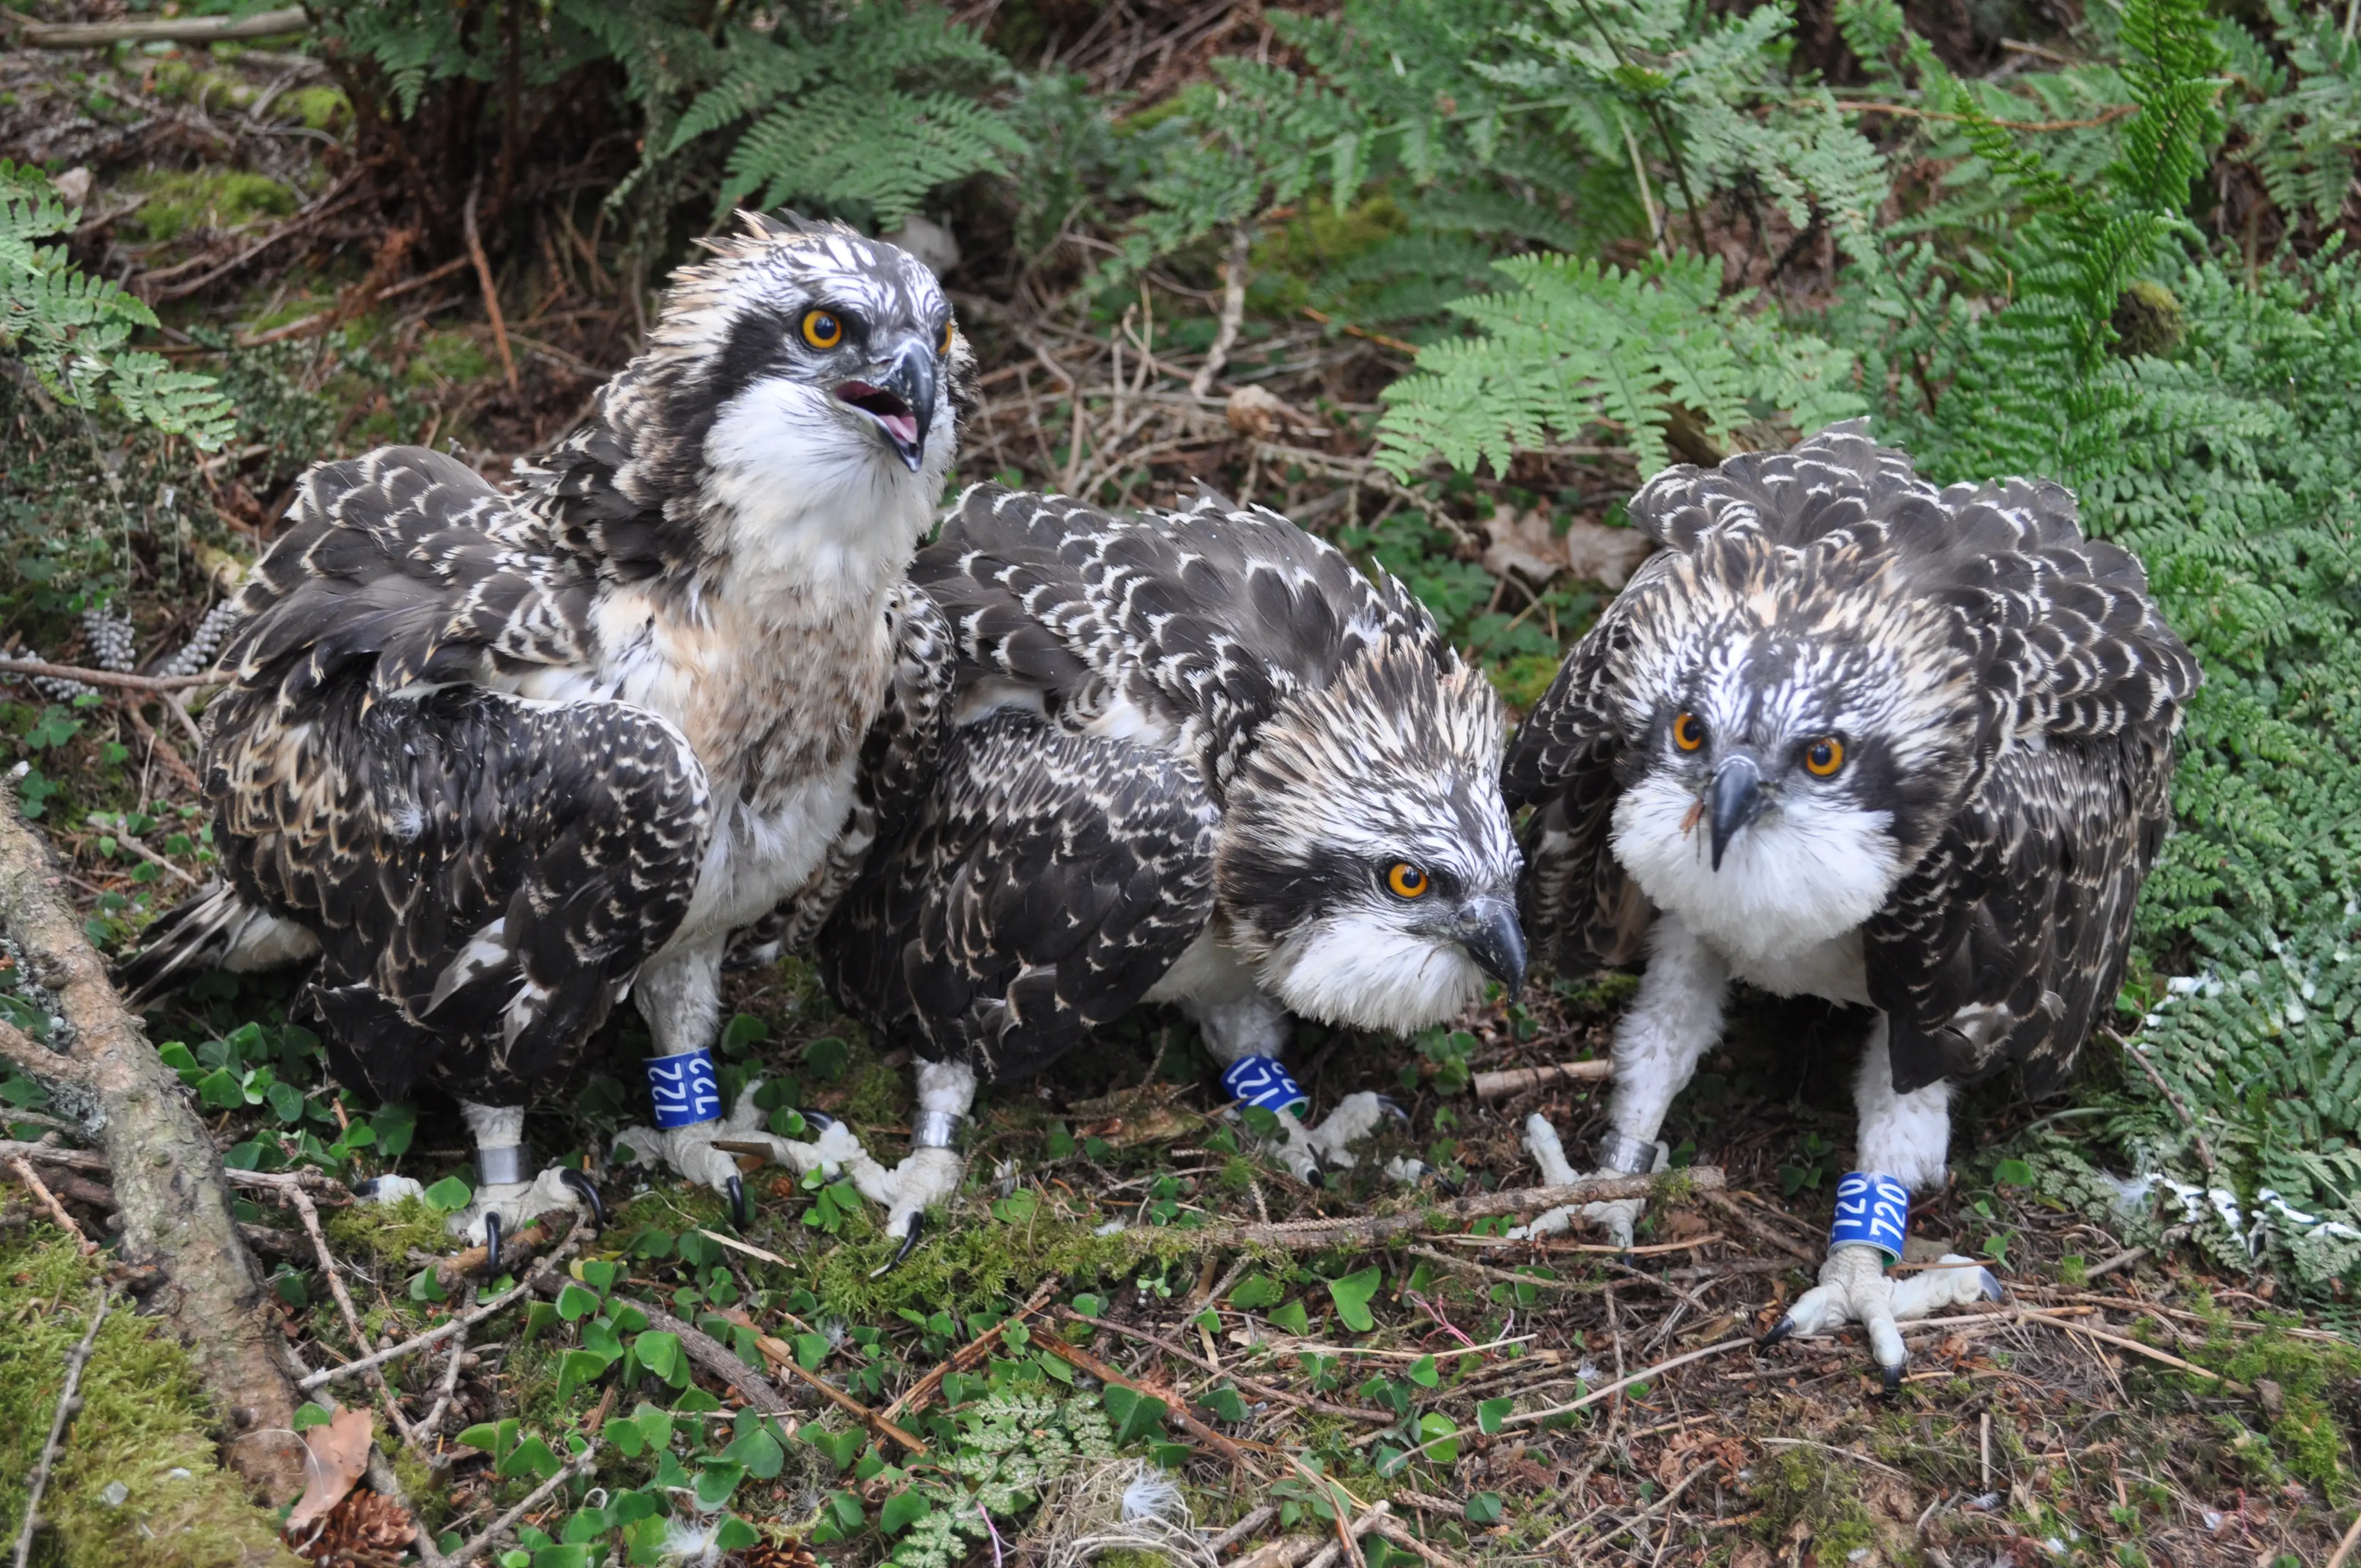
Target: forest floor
[(2123, 1405)]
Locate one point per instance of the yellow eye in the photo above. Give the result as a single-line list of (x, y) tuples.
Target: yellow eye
[(1824, 756), (822, 330), (1688, 732), (1407, 881), (950, 329)]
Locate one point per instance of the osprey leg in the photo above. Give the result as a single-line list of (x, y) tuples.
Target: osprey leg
[(1675, 1019), (509, 1193), (1904, 1143)]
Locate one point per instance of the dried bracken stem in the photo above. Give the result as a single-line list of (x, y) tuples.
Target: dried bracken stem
[(779, 1353), (2204, 1149), (68, 1403), (49, 1201), (1081, 1360), (922, 1392)]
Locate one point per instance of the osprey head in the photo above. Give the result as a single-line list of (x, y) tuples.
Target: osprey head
[(1794, 730), (797, 403), (1366, 864)]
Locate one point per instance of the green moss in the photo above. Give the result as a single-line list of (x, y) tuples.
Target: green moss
[(973, 1267), (322, 108), (2303, 1433), (387, 1233), (1290, 260), (447, 357), (143, 1424), (1805, 1486), (875, 1095), (210, 199)]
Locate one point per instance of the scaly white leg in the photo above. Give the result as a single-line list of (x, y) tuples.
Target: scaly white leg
[(1673, 1022), (1907, 1138), (499, 1152), (930, 1174)]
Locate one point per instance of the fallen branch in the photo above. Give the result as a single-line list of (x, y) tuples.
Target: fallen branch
[(176, 29), (520, 1248), (719, 1360), (2135, 1346), (1516, 1080), (1368, 1230), (68, 1403), (441, 1332), (1175, 1411), (171, 1190), (424, 1431), (335, 197), (309, 1212), (1234, 310), (49, 1201), (1761, 1231), (781, 1354), (108, 677)]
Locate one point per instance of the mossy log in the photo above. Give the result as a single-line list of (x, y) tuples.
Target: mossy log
[(166, 1177)]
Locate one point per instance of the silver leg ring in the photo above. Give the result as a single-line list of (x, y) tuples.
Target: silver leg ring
[(934, 1129), (503, 1166), (1625, 1155)]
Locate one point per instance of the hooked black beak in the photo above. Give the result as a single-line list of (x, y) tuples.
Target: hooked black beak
[(1487, 928), (1734, 800), (903, 404)]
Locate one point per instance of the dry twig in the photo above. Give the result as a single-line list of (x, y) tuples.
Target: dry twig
[(49, 1201), (68, 1403)]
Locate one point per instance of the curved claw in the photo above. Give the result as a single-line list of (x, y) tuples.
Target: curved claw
[(1779, 1331), (492, 1245), (1992, 1286), (1392, 1107), (737, 1191), (909, 1244), (1450, 1186), (1316, 1178), (1893, 1377), (818, 1121), (587, 1191)]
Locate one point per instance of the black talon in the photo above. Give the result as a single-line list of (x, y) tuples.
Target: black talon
[(1316, 1178), (1893, 1379), (737, 1191), (818, 1121), (909, 1244), (492, 1245), (588, 1192), (1392, 1109), (1779, 1331), (1450, 1186)]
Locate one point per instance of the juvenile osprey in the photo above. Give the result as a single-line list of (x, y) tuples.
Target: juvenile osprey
[(1850, 736), (493, 761), (1191, 757)]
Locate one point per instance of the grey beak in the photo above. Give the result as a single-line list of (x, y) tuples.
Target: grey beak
[(1734, 800), (903, 404), (1487, 928)]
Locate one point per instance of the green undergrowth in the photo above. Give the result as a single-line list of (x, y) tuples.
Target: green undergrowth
[(137, 1482)]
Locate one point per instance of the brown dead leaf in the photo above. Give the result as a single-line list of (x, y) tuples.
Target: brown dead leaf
[(1528, 543), (336, 1453), (1258, 414), (367, 1529)]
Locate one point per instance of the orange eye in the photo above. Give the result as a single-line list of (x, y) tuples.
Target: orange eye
[(822, 330), (1824, 756), (1407, 881), (1688, 732), (951, 329)]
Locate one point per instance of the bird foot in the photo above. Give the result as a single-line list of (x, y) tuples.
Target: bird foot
[(1855, 1288), (1617, 1218), (1307, 1152), (506, 1208), (690, 1153)]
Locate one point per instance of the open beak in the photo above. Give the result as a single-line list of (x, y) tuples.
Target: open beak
[(902, 403), (1487, 928), (1733, 800)]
